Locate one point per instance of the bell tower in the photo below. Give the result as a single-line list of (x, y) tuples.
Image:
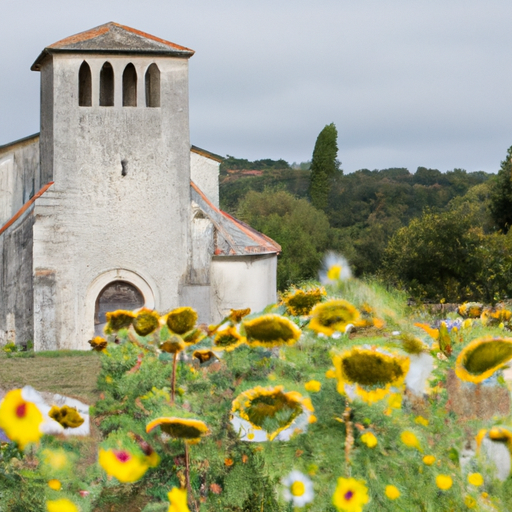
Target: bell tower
[(115, 142)]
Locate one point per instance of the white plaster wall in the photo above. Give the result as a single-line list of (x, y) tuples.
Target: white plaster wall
[(204, 172), (242, 282), (6, 188), (93, 219)]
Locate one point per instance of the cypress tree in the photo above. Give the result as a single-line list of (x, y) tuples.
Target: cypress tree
[(324, 166), (501, 195)]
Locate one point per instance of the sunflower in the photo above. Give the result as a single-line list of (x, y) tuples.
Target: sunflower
[(482, 358), (146, 322), (181, 428), (270, 409), (194, 336), (372, 372), (98, 344), (333, 316), (117, 320), (350, 495), (270, 331), (20, 419), (235, 316), (62, 505), (204, 356), (181, 320), (178, 499), (298, 489), (123, 465), (67, 416), (228, 339), (299, 302), (172, 345)]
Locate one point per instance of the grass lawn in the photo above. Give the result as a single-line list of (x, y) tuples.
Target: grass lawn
[(71, 373)]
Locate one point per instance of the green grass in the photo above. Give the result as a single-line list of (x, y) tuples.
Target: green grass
[(72, 373)]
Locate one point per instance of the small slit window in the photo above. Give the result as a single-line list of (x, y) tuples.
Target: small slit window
[(107, 85), (130, 86), (84, 86), (153, 86)]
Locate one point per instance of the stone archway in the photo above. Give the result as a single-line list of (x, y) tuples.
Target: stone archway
[(116, 295), (116, 289)]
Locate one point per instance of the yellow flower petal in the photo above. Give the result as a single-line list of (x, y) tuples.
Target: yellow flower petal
[(350, 495), (444, 482), (54, 484), (178, 499), (181, 428), (475, 479), (123, 465), (392, 492), (62, 505), (313, 386)]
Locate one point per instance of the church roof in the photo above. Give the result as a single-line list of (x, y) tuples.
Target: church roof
[(234, 237), (114, 38)]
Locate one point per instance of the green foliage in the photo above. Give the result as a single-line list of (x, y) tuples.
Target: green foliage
[(324, 166), (302, 231), (501, 197)]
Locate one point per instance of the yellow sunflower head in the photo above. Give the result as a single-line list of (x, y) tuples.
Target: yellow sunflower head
[(333, 316), (67, 416), (236, 315), (270, 409), (370, 370), (300, 302), (228, 339), (117, 320), (351, 495), (98, 344), (172, 345), (181, 320), (194, 336), (20, 419), (270, 331), (146, 322), (122, 464), (482, 358), (180, 428), (204, 356)]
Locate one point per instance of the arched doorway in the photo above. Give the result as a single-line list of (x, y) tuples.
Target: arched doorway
[(115, 295)]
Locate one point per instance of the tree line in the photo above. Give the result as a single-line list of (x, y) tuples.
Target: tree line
[(436, 235)]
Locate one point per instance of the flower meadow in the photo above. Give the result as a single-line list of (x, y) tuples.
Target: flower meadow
[(338, 398)]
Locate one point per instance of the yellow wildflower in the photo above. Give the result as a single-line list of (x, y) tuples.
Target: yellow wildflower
[(350, 495), (67, 416), (178, 499), (420, 420), (62, 505), (475, 479), (122, 465), (392, 492), (98, 344), (429, 460), (330, 374), (56, 460), (312, 419), (20, 419), (369, 439), (409, 439), (469, 501), (54, 484), (313, 386), (444, 482)]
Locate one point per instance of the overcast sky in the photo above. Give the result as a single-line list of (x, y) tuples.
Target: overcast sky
[(407, 83)]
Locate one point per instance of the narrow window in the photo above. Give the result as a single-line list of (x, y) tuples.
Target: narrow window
[(84, 85), (130, 86), (107, 85), (153, 86)]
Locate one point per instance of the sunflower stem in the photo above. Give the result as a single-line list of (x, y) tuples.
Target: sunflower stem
[(349, 439), (187, 478), (173, 378)]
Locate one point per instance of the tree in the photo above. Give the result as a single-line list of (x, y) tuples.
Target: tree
[(302, 231), (324, 166), (501, 196)]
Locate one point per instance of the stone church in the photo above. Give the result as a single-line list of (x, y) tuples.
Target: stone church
[(110, 206)]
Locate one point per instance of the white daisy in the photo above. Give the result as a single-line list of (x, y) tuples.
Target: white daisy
[(335, 268), (298, 489)]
